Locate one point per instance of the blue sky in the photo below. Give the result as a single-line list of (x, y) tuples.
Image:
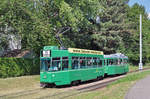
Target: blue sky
[(145, 3)]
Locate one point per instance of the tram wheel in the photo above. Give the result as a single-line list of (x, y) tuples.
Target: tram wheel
[(75, 83), (99, 78), (43, 85)]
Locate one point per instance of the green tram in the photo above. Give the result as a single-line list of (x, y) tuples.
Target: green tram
[(72, 66), (116, 64)]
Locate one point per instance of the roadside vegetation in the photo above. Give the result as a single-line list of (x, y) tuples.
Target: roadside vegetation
[(133, 68), (14, 67), (116, 90)]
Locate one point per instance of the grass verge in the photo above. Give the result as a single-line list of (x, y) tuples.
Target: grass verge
[(15, 84), (133, 68), (116, 90)]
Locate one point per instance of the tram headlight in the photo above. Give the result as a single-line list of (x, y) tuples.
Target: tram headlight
[(45, 76)]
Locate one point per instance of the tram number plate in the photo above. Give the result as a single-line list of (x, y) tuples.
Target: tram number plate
[(46, 53)]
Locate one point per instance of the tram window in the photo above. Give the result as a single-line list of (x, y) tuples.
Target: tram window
[(94, 62), (75, 62), (107, 62), (82, 62), (110, 63), (56, 64), (99, 63), (115, 62), (122, 61), (126, 61), (65, 63), (45, 65), (89, 61), (118, 62)]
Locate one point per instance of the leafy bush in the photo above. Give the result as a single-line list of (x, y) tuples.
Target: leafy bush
[(13, 67)]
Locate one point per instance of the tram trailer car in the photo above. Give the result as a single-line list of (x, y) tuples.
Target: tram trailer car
[(116, 64), (63, 67)]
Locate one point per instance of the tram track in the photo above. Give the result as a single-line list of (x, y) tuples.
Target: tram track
[(104, 84), (21, 93), (69, 91), (66, 94)]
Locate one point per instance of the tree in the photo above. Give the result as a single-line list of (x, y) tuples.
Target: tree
[(133, 14), (25, 21), (110, 37)]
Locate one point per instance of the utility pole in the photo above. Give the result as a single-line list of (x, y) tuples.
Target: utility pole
[(140, 63)]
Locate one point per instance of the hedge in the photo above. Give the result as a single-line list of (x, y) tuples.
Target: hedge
[(13, 67)]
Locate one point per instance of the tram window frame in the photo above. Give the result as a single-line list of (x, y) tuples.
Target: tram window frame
[(65, 66), (58, 67), (95, 63), (107, 62), (100, 62), (82, 62), (126, 61), (118, 61), (115, 62), (122, 62), (110, 62), (75, 59), (89, 62), (45, 65)]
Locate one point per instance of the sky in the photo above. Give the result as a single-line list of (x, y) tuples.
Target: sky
[(145, 3)]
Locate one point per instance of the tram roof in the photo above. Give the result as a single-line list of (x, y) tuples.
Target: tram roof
[(117, 55)]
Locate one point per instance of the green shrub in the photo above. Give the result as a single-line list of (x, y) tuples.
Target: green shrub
[(13, 67)]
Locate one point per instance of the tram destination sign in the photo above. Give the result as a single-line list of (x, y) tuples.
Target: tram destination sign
[(46, 53), (84, 51)]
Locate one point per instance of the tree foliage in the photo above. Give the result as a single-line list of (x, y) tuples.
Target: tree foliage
[(107, 25), (133, 15), (13, 67)]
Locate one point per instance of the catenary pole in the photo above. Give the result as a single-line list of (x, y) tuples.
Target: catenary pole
[(140, 63)]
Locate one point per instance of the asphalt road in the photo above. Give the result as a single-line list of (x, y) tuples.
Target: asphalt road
[(141, 90)]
